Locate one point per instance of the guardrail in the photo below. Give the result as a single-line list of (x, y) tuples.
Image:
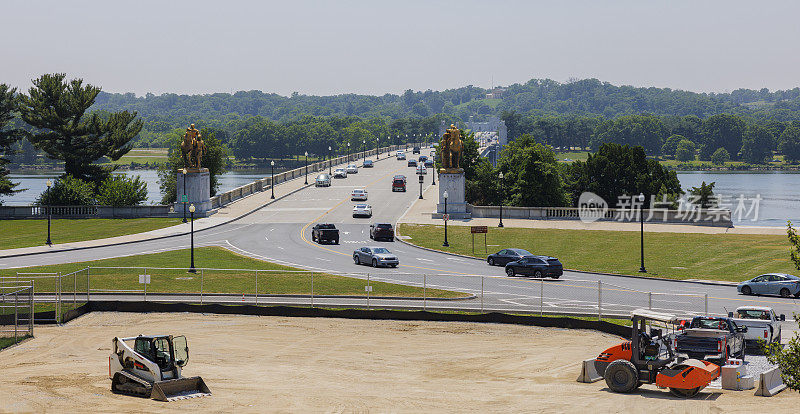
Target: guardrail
[(478, 293), (21, 212)]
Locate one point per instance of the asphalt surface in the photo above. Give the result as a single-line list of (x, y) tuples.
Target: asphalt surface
[(281, 232)]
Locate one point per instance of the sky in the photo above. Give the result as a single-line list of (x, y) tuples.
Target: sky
[(376, 47)]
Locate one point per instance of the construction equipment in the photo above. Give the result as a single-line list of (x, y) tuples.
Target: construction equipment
[(649, 358), (152, 368)]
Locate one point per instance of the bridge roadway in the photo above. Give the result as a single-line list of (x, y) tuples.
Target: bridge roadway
[(281, 232)]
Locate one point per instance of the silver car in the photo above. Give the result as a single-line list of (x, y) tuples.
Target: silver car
[(323, 180), (352, 169), (362, 210), (771, 284), (339, 173), (375, 256)]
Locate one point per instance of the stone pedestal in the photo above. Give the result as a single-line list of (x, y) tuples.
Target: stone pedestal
[(454, 184), (196, 185)]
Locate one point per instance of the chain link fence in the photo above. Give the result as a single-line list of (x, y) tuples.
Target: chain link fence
[(57, 294), (16, 311)]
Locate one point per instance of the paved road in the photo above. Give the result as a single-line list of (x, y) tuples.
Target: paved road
[(280, 232)]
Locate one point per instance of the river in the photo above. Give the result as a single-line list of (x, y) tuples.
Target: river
[(779, 191)]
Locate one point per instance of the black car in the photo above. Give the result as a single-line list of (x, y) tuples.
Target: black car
[(412, 162), (381, 231), (536, 266), (415, 150), (423, 158), (506, 256), (325, 232)]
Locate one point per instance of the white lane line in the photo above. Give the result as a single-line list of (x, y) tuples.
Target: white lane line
[(325, 260), (455, 259), (266, 238), (424, 260), (280, 247)]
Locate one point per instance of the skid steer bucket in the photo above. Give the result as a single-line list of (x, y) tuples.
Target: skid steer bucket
[(180, 389)]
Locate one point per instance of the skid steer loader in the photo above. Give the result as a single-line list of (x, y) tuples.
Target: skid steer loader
[(152, 368)]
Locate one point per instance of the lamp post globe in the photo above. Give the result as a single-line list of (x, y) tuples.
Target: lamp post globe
[(191, 264), (48, 241), (641, 223), (500, 176)]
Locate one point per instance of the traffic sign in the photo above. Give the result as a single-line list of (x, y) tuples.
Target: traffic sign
[(184, 198), (446, 217)]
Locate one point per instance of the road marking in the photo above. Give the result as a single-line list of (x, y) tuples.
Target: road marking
[(326, 260), (424, 260)]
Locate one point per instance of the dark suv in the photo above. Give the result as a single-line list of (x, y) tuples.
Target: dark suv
[(381, 231), (415, 150), (536, 266)]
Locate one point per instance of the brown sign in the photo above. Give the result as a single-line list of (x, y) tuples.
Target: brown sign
[(478, 229)]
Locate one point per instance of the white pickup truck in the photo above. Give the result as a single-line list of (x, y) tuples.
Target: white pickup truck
[(762, 324)]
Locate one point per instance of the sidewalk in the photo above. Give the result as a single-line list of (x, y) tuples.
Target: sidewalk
[(420, 213), (226, 214)]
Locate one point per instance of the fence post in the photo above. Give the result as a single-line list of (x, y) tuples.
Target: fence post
[(481, 294), (30, 315), (424, 291), (16, 318), (599, 300), (650, 300), (75, 290), (87, 283), (202, 279), (368, 291), (145, 284), (256, 287), (706, 300), (33, 291), (58, 305), (312, 289)]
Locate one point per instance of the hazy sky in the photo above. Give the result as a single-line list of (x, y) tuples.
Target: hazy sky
[(375, 47)]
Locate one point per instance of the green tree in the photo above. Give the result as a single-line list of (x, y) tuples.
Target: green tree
[(703, 195), (720, 156), (646, 131), (531, 175), (722, 131), (8, 136), (68, 191), (64, 131), (684, 151), (671, 144), (757, 144), (215, 159), (620, 170), (121, 190), (790, 144)]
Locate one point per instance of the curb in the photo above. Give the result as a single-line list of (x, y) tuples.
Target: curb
[(698, 282), (250, 295)]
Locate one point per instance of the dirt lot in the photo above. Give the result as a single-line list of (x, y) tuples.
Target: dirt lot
[(256, 364)]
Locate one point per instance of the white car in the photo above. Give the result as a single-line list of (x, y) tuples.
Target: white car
[(401, 155), (362, 210), (339, 173), (358, 194), (352, 169), (421, 170)]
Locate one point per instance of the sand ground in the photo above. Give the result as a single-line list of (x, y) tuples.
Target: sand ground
[(276, 364)]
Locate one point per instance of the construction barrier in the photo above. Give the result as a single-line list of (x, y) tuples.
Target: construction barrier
[(589, 372), (770, 383)]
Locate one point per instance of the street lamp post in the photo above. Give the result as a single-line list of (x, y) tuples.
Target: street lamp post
[(348, 152), (272, 181), (500, 176), (445, 244), (306, 167), (364, 146), (641, 222), (191, 265), (434, 173), (421, 180), (49, 213), (329, 160), (377, 148)]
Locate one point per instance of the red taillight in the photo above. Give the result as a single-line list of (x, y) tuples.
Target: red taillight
[(766, 334)]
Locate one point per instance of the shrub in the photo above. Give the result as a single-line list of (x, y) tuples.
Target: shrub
[(684, 151), (720, 156), (121, 190), (68, 191)]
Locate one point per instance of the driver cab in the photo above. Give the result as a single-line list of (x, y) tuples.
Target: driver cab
[(165, 351)]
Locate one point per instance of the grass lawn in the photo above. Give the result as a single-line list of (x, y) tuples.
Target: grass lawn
[(731, 257), (572, 155), (279, 279), (27, 233), (143, 155), (6, 342)]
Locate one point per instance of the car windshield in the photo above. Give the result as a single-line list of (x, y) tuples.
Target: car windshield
[(753, 314), (384, 226), (361, 206), (358, 191), (708, 323), (380, 250), (327, 226)]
